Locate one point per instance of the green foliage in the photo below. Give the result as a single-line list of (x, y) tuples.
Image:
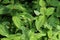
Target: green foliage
[(17, 21), (4, 30), (40, 21), (29, 20)]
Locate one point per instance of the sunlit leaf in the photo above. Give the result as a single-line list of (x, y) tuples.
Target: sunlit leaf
[(17, 21), (42, 3), (49, 11), (4, 30), (36, 12), (40, 22)]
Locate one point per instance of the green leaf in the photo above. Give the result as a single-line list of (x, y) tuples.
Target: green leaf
[(4, 10), (46, 25), (28, 16), (20, 7), (12, 1), (4, 30), (17, 21), (40, 21), (36, 12), (5, 1), (43, 10), (10, 6), (15, 37), (57, 14), (58, 27), (49, 11), (53, 2), (50, 34), (35, 36), (1, 9), (32, 35), (12, 37), (42, 3), (25, 33), (59, 35), (53, 21)]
